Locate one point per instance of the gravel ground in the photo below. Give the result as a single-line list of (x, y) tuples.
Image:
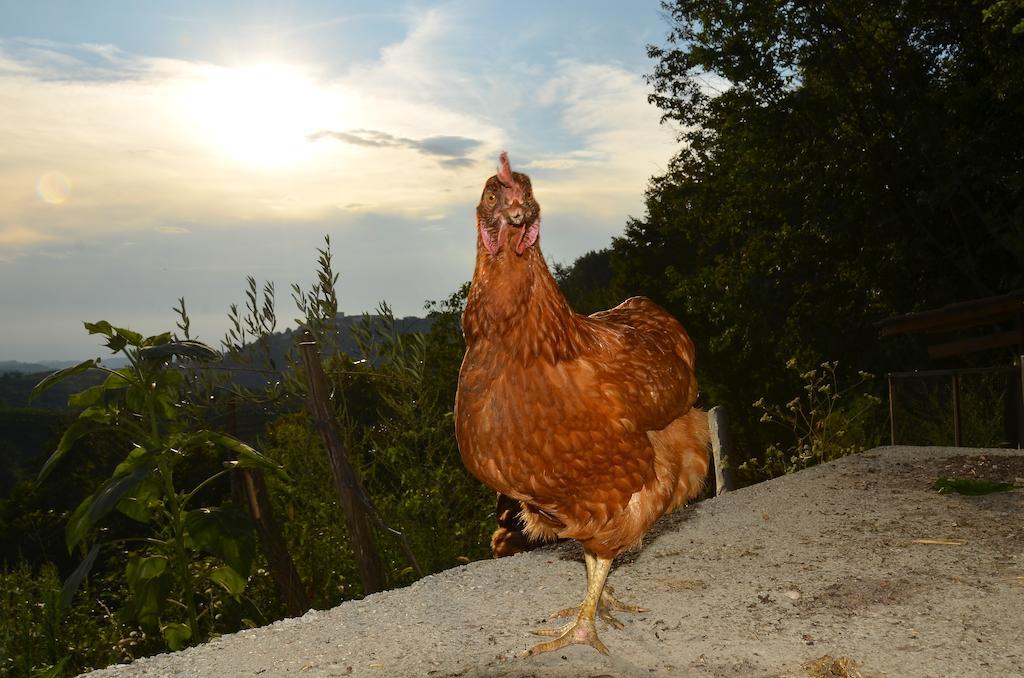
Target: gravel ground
[(758, 582)]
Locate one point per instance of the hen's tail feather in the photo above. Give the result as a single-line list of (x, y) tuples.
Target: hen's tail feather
[(513, 534), (694, 440)]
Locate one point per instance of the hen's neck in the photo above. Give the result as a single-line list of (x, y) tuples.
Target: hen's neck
[(515, 302)]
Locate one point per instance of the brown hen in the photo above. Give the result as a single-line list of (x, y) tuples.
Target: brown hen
[(588, 421)]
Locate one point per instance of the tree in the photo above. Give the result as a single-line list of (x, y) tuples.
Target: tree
[(840, 162), (588, 283)]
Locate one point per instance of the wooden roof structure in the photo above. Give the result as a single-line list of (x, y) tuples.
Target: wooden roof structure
[(1006, 308)]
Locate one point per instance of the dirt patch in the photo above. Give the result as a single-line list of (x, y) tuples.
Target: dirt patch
[(985, 467), (860, 592)]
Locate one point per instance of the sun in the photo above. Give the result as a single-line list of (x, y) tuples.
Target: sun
[(259, 116)]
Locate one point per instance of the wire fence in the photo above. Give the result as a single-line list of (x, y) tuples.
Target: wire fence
[(969, 407)]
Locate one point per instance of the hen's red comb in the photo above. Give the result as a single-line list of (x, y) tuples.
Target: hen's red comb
[(505, 170)]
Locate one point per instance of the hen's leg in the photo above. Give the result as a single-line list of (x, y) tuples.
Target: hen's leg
[(606, 605), (583, 631)]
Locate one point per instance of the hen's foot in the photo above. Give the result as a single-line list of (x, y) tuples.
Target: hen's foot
[(579, 632), (605, 606)]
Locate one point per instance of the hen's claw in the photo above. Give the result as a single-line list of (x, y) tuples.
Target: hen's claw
[(605, 606), (580, 632)]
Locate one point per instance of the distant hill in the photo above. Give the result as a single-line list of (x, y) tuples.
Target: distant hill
[(19, 367), (29, 368), (18, 378)]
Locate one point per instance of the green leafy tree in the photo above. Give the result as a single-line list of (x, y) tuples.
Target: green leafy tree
[(184, 543), (588, 283), (840, 163)]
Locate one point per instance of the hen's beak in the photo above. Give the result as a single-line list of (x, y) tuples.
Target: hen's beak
[(516, 214)]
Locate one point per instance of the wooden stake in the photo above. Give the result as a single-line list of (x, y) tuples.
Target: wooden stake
[(892, 410), (249, 488), (721, 448), (957, 437), (350, 489)]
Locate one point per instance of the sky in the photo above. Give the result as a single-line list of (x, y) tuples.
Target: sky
[(155, 150)]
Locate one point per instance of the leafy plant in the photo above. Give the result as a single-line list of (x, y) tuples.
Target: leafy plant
[(969, 486), (319, 306), (413, 460), (184, 543), (821, 421)]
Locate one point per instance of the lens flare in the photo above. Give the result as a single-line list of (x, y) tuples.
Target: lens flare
[(53, 188)]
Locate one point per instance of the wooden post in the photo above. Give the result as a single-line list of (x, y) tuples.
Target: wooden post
[(350, 489), (252, 490), (892, 410), (249, 488), (722, 449), (957, 437), (1020, 416)]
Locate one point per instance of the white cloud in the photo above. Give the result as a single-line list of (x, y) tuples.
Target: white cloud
[(622, 141), (17, 236), (104, 153), (149, 141), (158, 140)]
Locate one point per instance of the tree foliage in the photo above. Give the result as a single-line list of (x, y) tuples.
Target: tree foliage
[(840, 163)]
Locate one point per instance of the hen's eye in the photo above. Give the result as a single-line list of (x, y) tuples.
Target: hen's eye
[(490, 198)]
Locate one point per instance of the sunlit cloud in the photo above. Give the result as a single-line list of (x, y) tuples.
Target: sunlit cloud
[(621, 141), (147, 141), (167, 140), (185, 174), (172, 230), (451, 151), (15, 239), (19, 236)]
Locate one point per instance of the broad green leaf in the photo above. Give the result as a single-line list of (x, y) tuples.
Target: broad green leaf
[(72, 583), (133, 338), (60, 375), (88, 397), (116, 343), (95, 507), (142, 568), (138, 456), (136, 398), (72, 434), (255, 460), (112, 491), (224, 532), (176, 635), (246, 455), (116, 380), (182, 349), (167, 404), (78, 524), (99, 415), (139, 505), (232, 582), (101, 327), (150, 584), (163, 338)]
